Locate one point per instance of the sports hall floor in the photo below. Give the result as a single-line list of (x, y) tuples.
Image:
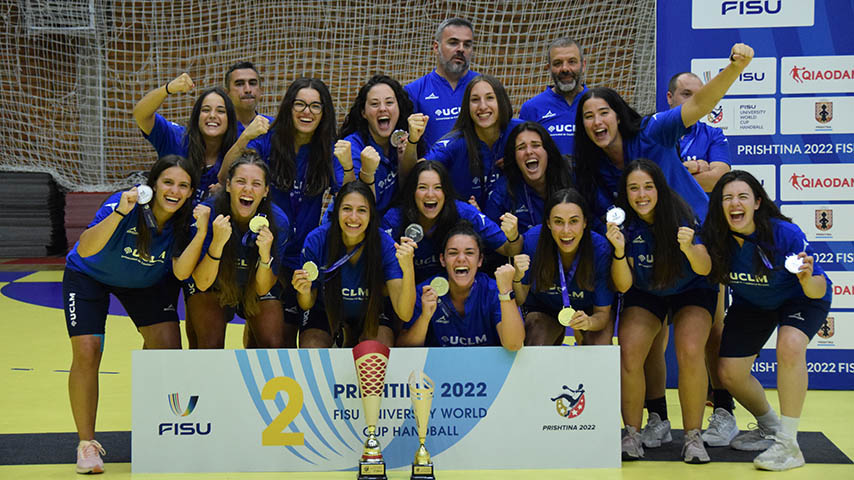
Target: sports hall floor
[(36, 354)]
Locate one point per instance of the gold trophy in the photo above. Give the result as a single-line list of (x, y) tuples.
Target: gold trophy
[(371, 358), (421, 393)]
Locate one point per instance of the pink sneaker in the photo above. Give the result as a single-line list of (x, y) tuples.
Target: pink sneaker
[(89, 457)]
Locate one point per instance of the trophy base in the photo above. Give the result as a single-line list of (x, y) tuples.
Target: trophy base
[(372, 471), (422, 472)]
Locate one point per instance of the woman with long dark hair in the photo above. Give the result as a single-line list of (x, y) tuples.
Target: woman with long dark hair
[(298, 148), (354, 267), (610, 135), (472, 150), (776, 285), (366, 151), (428, 199), (534, 169), (242, 256), (125, 254), (569, 268), (658, 282), (210, 132), (475, 311)]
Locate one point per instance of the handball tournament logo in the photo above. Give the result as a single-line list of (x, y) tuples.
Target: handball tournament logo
[(570, 403), (716, 115)]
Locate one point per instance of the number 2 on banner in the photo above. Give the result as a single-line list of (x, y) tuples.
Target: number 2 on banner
[(273, 435)]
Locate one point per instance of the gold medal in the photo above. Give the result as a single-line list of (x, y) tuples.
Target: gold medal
[(565, 316), (440, 286), (258, 222), (311, 269)]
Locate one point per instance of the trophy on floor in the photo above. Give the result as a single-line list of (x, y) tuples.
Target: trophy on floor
[(421, 393), (371, 358)]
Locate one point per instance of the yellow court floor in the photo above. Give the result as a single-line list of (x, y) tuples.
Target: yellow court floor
[(35, 351)]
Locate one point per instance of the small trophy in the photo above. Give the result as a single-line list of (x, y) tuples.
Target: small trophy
[(421, 392), (371, 358)]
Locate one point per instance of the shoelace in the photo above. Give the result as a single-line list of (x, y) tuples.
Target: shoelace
[(93, 448), (755, 427)]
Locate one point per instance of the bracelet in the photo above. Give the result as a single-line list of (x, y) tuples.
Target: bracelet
[(123, 215), (214, 258), (515, 239), (167, 89), (410, 141), (369, 184), (348, 169), (618, 258), (517, 281)]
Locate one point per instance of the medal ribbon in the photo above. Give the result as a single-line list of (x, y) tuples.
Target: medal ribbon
[(341, 260), (563, 291)]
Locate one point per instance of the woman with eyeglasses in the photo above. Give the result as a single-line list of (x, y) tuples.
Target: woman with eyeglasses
[(298, 147), (776, 285)]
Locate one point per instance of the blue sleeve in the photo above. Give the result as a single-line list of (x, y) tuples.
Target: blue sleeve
[(665, 128), (603, 295), (497, 203), (262, 145), (526, 112), (166, 137), (106, 209), (391, 221), (718, 147), (492, 235), (391, 268), (529, 247), (417, 311), (494, 303), (411, 90), (283, 235), (442, 152)]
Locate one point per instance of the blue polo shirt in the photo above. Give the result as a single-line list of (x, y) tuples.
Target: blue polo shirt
[(119, 264), (640, 246), (558, 117), (769, 292), (551, 299), (476, 327), (433, 96), (354, 292), (427, 254), (302, 210), (527, 206), (705, 142), (453, 153), (385, 178)]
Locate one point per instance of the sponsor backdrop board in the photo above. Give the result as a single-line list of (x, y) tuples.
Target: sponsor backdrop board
[(789, 121), (300, 410)]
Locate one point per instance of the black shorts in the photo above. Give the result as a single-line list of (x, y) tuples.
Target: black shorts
[(747, 328), (86, 302), (293, 314), (664, 307), (190, 289), (316, 317)]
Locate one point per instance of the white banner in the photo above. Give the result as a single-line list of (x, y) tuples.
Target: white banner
[(759, 78), (803, 115), (819, 181), (299, 410), (744, 116), (817, 74), (752, 13), (826, 223)]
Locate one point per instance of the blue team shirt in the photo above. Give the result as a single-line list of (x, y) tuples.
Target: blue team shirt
[(769, 292), (354, 293), (640, 247), (283, 229), (433, 96), (427, 254), (477, 327), (118, 264), (385, 178), (302, 210), (452, 152), (528, 206), (558, 117), (705, 142), (657, 142), (600, 296)]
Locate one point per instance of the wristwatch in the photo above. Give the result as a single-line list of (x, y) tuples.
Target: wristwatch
[(505, 296), (267, 263)]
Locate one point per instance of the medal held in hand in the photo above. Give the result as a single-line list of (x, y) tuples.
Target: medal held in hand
[(398, 137), (415, 232), (144, 194), (255, 225)]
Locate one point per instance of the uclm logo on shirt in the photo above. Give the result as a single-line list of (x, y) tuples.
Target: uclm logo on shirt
[(752, 13)]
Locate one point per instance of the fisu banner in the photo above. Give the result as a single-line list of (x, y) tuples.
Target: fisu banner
[(789, 120), (300, 410)]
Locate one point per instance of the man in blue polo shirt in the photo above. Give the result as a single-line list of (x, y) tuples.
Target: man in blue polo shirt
[(243, 85), (703, 149), (555, 107), (440, 93)]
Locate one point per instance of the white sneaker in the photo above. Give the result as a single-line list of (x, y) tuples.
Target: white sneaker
[(785, 454), (693, 450), (632, 445), (722, 429), (656, 432), (89, 457), (753, 440)]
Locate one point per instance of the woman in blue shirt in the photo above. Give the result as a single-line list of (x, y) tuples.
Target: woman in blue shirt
[(534, 170), (610, 134), (239, 270), (658, 282), (381, 107), (474, 149), (568, 261), (358, 266), (751, 243), (475, 311), (429, 200), (120, 254), (298, 149), (211, 131)]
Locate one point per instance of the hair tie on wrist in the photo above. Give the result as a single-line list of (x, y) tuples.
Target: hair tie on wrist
[(167, 89), (410, 141), (515, 239), (348, 169), (618, 258), (123, 215), (214, 258)]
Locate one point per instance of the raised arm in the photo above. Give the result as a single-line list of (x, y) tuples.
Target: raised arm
[(702, 102), (93, 239), (143, 111), (511, 329), (257, 127), (183, 265)]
